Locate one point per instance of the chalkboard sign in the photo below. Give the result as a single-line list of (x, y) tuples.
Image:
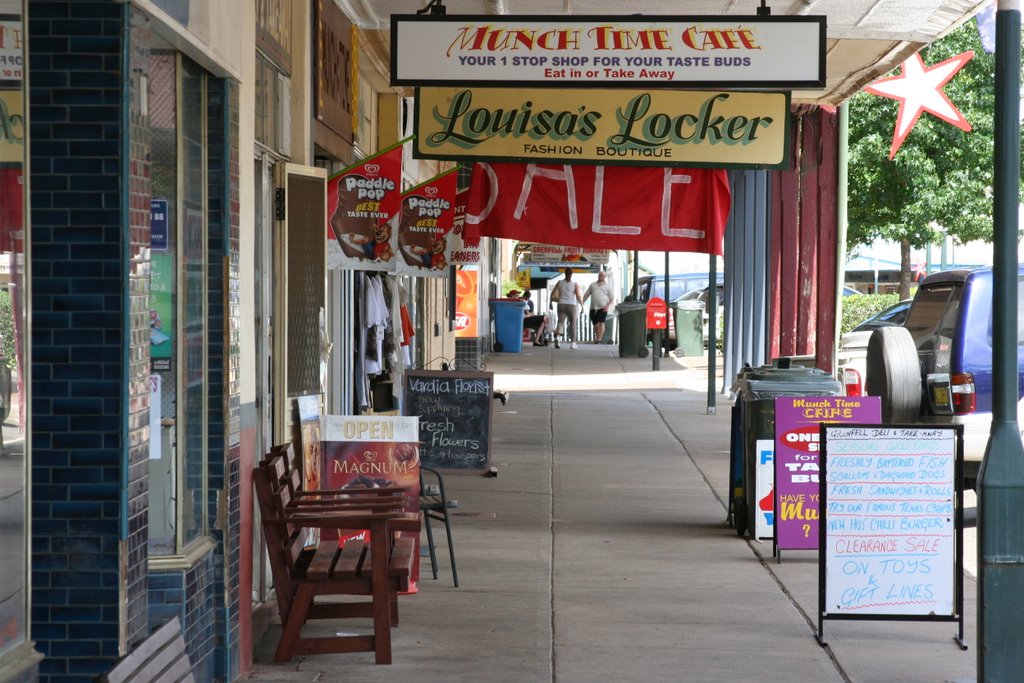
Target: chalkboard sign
[(455, 417), (891, 531)]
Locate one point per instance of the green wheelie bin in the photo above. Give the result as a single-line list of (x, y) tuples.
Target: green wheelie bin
[(632, 329), (689, 327), (758, 389)]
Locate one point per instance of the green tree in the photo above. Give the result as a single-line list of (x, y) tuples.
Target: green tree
[(940, 181)]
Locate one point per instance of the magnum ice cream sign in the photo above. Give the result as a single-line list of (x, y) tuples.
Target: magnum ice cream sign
[(373, 451), (610, 127), (426, 218), (361, 200)]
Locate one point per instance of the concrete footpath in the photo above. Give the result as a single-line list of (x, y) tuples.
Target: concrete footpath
[(601, 553)]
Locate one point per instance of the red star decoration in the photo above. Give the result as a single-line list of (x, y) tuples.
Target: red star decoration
[(919, 89)]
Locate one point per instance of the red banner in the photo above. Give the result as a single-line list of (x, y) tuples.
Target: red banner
[(360, 201), (428, 214), (600, 207)]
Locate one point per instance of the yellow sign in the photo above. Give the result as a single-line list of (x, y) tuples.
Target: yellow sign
[(632, 127), (523, 279), (12, 127)]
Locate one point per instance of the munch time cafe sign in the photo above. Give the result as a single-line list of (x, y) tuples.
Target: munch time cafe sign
[(608, 127), (757, 52)]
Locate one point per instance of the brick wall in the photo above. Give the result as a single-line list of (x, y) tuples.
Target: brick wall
[(90, 184), (81, 371)]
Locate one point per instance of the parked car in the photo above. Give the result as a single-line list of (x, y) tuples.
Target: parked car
[(853, 347), (650, 286), (948, 330)]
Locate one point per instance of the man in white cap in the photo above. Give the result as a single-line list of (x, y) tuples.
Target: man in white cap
[(601, 300)]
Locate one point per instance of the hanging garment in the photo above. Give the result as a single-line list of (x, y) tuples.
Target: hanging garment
[(377, 320)]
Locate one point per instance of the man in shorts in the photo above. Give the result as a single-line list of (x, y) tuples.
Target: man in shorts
[(601, 300)]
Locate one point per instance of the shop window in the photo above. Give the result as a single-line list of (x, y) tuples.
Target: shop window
[(272, 122), (179, 333), (13, 295)]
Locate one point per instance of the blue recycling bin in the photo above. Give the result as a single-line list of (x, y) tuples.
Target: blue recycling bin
[(507, 315)]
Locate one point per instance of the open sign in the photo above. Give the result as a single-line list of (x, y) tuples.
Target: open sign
[(657, 314)]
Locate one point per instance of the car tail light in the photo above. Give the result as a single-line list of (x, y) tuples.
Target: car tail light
[(852, 382), (964, 396)]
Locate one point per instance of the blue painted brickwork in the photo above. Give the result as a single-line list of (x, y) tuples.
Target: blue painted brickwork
[(232, 387), (78, 342), (90, 278), (138, 240)]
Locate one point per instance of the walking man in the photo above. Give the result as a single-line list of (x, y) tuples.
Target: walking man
[(566, 294), (601, 299)]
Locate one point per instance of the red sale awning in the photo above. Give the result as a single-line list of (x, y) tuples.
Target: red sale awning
[(600, 207)]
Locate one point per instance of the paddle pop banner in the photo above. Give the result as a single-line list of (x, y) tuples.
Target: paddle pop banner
[(361, 200), (426, 218)]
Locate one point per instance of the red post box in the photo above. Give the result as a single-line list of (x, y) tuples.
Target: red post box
[(657, 314)]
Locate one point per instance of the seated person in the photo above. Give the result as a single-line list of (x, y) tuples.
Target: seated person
[(533, 322)]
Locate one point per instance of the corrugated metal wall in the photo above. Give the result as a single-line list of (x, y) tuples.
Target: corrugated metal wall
[(780, 253), (803, 242), (747, 236)]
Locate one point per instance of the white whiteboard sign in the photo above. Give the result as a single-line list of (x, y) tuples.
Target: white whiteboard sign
[(889, 536)]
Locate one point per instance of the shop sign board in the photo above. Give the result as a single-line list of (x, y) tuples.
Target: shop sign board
[(12, 126), (373, 451), (454, 411), (726, 51), (467, 298), (891, 533), (158, 218), (627, 127), (273, 31), (334, 86), (12, 48), (796, 501), (462, 252), (554, 256)]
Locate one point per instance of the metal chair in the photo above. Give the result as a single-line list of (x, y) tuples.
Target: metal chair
[(435, 505)]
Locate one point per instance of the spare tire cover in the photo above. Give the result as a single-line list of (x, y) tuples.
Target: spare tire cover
[(894, 374)]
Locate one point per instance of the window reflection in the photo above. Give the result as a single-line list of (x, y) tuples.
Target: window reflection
[(12, 296), (178, 302)]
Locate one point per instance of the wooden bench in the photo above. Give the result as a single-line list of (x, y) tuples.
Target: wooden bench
[(160, 658), (379, 567)]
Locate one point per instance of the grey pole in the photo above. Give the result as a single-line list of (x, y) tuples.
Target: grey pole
[(712, 305), (668, 302), (1001, 480)]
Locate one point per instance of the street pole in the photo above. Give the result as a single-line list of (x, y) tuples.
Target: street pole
[(712, 304), (668, 302), (1001, 479)]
